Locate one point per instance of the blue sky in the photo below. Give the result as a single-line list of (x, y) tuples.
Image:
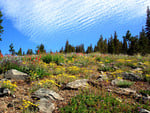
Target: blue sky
[(28, 23)]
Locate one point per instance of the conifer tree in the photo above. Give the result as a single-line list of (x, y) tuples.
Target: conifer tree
[(148, 26), (116, 44), (67, 47), (61, 50), (89, 49), (11, 50), (111, 48), (29, 52), (100, 45), (105, 46), (1, 27), (19, 52), (143, 42)]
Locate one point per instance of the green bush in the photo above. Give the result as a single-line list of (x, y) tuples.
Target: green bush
[(53, 58), (105, 68), (90, 103), (124, 84), (145, 91)]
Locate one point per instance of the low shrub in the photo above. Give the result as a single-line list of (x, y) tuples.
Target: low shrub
[(124, 84), (53, 58), (105, 68), (90, 103)]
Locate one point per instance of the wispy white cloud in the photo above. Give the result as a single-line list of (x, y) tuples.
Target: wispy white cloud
[(40, 19)]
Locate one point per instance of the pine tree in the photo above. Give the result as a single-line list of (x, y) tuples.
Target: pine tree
[(19, 52), (89, 49), (133, 47), (1, 27), (111, 48), (61, 50), (41, 48), (11, 50), (124, 45), (116, 44), (29, 52), (148, 26), (100, 45), (105, 46), (143, 43), (67, 47), (95, 48)]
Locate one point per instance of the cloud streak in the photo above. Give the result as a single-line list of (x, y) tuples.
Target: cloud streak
[(40, 19)]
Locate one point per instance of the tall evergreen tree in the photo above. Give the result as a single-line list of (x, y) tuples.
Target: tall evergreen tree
[(61, 50), (116, 44), (148, 26), (105, 46), (133, 47), (89, 49), (12, 50), (67, 47), (100, 44), (143, 43), (1, 27), (19, 52), (29, 52), (111, 48), (124, 45)]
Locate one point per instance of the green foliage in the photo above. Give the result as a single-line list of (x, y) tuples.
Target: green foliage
[(11, 50), (124, 84), (145, 91), (105, 68), (40, 49), (90, 103), (89, 49), (19, 52), (53, 58)]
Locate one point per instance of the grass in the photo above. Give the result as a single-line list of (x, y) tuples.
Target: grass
[(124, 84), (97, 103)]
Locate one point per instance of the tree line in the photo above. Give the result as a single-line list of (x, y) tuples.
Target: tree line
[(130, 45)]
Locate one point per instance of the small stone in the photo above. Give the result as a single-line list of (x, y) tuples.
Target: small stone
[(16, 75), (82, 83), (46, 93), (45, 106), (144, 111)]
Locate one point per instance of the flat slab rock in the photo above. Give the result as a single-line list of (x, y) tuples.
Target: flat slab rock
[(16, 75), (46, 93), (125, 91), (82, 83), (4, 92), (45, 106), (131, 76)]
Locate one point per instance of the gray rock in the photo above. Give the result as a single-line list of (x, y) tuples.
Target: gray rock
[(125, 91), (48, 94), (102, 77), (144, 111), (131, 76), (16, 75), (45, 106), (116, 81), (82, 83), (4, 92)]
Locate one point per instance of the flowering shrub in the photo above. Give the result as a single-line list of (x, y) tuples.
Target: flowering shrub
[(58, 70), (53, 58), (28, 106), (73, 70), (7, 84)]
